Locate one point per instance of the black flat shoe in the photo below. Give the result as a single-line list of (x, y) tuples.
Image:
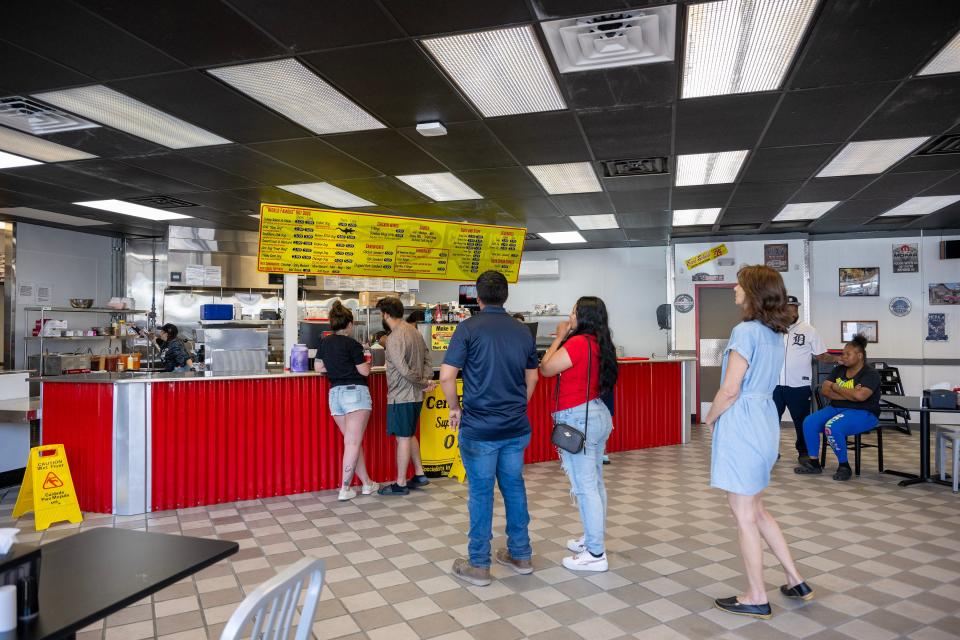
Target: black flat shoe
[(843, 474), (807, 467), (732, 605), (801, 591), (418, 482)]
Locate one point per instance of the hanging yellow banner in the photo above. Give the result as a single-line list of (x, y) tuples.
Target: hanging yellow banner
[(439, 447), (328, 242), (47, 488), (706, 256)]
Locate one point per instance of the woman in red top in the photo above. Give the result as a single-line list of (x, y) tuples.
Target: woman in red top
[(583, 351)]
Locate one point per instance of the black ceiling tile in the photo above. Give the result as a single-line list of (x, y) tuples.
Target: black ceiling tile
[(509, 182), (562, 8), (198, 32), (384, 191), (638, 183), (635, 132), (648, 237), (236, 202), (271, 195), (936, 162), (104, 142), (856, 41), (438, 16), (722, 123), (128, 176), (830, 189), (547, 225), (946, 218), (786, 163), (949, 187), (634, 201), (921, 107), (763, 193), (24, 72), (701, 197), (467, 145), (395, 81), (250, 164), (16, 199), (525, 208), (604, 235), (64, 32), (11, 182), (580, 204), (202, 100), (60, 174), (646, 220), (180, 168), (306, 25), (748, 215), (542, 138), (902, 185), (387, 151), (316, 157), (812, 116), (621, 86)]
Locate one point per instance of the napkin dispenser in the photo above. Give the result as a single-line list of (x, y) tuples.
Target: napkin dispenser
[(942, 399)]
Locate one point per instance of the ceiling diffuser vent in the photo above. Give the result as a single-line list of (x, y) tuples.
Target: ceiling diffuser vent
[(640, 36), (33, 117), (532, 236), (942, 145), (161, 202), (635, 167)]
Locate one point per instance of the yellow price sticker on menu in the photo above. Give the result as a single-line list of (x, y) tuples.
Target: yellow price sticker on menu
[(706, 256), (328, 242)]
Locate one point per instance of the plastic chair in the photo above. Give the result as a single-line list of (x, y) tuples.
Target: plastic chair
[(270, 608), (948, 436)]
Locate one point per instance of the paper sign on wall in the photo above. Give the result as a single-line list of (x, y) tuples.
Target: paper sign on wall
[(906, 258), (706, 256), (440, 335), (194, 275), (47, 488)]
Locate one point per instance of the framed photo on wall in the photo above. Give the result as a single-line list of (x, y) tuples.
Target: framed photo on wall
[(869, 328), (859, 281)]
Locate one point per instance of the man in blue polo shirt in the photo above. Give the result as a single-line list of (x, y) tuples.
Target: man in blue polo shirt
[(498, 357)]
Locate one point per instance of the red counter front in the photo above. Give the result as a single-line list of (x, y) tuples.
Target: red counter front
[(225, 440)]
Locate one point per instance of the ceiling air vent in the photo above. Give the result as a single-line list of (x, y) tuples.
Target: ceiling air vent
[(637, 167), (943, 144), (639, 36), (531, 236), (33, 117), (161, 202)]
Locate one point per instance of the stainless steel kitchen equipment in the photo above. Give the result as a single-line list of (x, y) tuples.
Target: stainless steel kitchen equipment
[(234, 349)]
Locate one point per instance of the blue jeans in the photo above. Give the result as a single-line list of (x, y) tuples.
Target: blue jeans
[(585, 469), (500, 460), (836, 425)]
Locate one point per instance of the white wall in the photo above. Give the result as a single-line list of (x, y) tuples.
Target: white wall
[(632, 282)]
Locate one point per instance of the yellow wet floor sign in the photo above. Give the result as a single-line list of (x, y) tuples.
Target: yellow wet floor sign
[(457, 469), (47, 488)]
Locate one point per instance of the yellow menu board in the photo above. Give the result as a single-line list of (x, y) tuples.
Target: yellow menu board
[(327, 242)]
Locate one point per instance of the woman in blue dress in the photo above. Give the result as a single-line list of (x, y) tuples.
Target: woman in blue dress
[(746, 434)]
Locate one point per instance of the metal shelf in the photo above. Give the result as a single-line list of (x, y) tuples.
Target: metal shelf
[(90, 310)]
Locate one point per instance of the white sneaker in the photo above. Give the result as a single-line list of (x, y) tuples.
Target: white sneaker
[(584, 561), (577, 546), (346, 493), (369, 489)]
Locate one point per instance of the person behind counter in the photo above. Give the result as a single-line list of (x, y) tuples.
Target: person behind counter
[(341, 358), (174, 355)]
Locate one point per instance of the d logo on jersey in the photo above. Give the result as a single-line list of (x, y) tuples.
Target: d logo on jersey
[(799, 339)]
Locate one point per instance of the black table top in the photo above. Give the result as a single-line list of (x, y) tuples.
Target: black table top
[(90, 575), (914, 403)]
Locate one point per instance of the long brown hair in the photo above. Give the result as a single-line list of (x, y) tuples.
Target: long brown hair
[(765, 297)]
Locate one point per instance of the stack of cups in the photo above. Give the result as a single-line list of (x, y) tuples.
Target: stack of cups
[(8, 608)]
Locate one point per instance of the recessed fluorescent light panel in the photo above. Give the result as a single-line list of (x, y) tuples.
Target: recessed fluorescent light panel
[(9, 161), (502, 71), (947, 61), (571, 177), (327, 194), (37, 148), (440, 186), (49, 216), (563, 237), (922, 206), (709, 168), (870, 156), (592, 223), (741, 46), (691, 217), (804, 210), (106, 106), (288, 87), (130, 209)]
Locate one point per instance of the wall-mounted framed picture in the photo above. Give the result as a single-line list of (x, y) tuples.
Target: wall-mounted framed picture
[(869, 328), (859, 281)]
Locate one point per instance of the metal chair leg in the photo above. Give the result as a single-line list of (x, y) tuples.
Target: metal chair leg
[(880, 448), (856, 453)]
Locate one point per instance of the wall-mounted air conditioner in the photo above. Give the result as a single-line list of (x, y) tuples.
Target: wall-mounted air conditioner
[(539, 269)]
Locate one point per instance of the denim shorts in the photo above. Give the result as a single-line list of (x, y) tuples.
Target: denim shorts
[(350, 398)]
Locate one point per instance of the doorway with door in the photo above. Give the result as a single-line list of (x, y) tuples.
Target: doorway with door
[(716, 315)]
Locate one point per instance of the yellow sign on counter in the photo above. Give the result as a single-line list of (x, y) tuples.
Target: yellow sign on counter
[(706, 256), (440, 335), (47, 488), (438, 442), (328, 242)]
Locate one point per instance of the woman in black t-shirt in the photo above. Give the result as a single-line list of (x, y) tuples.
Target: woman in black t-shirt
[(854, 393), (341, 358)]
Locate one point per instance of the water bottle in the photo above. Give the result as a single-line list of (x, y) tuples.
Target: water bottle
[(298, 358)]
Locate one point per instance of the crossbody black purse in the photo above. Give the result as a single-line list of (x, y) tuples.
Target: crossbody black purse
[(564, 436)]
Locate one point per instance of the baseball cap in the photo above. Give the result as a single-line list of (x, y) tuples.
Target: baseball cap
[(793, 300)]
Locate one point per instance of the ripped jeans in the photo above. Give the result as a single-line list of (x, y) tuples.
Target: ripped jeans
[(585, 469), (836, 425)]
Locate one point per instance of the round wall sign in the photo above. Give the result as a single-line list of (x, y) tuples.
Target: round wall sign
[(900, 306), (683, 302)]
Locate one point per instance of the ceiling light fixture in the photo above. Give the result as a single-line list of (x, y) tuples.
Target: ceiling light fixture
[(9, 161), (326, 193), (563, 237), (130, 209), (431, 129), (922, 205), (692, 217), (870, 156), (593, 223), (502, 71), (49, 216), (37, 148), (106, 106), (709, 168), (741, 46), (288, 87), (570, 177), (441, 187), (946, 61), (804, 210)]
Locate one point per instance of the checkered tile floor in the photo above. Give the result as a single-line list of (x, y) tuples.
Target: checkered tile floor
[(885, 561)]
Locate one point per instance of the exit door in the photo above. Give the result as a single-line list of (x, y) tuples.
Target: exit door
[(717, 315)]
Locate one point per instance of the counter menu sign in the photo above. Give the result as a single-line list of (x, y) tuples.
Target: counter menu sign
[(327, 242)]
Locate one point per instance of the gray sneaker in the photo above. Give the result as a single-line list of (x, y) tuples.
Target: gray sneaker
[(477, 576), (523, 567)]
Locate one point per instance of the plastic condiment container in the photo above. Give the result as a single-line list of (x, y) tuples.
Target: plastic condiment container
[(298, 358)]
